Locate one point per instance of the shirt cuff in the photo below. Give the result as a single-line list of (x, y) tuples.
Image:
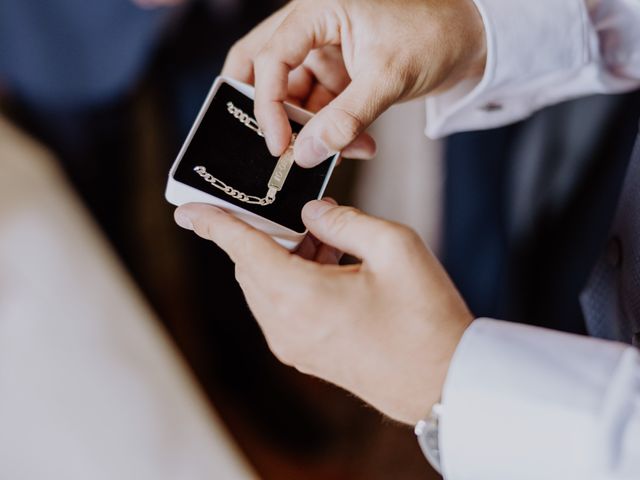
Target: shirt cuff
[(522, 402), (531, 45)]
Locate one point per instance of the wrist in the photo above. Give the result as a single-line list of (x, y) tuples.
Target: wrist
[(478, 53), (463, 44), (431, 372)]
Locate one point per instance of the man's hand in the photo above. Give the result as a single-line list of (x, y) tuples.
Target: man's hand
[(385, 330), (351, 60)]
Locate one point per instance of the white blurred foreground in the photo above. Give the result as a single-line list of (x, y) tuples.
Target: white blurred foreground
[(90, 387)]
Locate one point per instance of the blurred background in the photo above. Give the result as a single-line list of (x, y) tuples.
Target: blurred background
[(115, 324)]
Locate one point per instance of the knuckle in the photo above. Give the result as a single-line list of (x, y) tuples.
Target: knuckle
[(411, 241), (282, 352), (398, 80), (202, 228), (399, 238), (396, 74), (346, 127), (261, 57), (342, 218), (240, 275), (264, 58), (287, 351), (387, 241), (238, 50)]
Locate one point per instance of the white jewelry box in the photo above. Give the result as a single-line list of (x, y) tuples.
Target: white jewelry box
[(179, 192)]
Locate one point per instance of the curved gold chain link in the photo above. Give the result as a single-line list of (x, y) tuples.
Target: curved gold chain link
[(244, 118), (232, 192), (277, 178)]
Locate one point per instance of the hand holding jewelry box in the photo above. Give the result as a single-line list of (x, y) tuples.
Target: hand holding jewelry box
[(385, 330), (225, 162)]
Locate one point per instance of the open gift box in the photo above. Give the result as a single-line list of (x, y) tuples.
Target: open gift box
[(225, 162)]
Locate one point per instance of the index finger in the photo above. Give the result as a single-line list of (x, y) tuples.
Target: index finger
[(303, 30), (239, 61), (252, 250)]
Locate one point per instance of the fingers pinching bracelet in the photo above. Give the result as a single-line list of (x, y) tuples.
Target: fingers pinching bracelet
[(278, 177)]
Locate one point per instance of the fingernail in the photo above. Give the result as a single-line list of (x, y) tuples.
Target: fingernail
[(311, 151), (183, 220), (272, 145), (314, 210)]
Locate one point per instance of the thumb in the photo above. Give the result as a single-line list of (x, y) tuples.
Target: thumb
[(349, 230), (338, 124)]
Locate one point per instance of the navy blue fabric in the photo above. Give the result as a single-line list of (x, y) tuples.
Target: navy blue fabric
[(529, 206), (475, 237), (611, 301), (75, 52)]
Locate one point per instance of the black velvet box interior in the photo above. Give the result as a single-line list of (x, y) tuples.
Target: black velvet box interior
[(238, 156)]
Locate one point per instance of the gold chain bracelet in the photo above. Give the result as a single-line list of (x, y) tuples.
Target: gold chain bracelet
[(278, 177)]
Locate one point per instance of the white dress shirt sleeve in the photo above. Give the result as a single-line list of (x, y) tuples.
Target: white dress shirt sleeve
[(540, 53), (524, 403)]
